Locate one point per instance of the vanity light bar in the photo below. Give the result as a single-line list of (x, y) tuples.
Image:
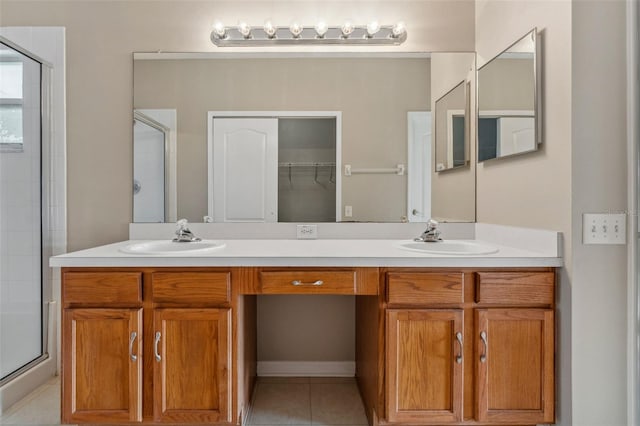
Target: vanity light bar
[(268, 35)]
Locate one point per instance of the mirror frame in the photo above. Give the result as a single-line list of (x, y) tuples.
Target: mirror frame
[(537, 96)]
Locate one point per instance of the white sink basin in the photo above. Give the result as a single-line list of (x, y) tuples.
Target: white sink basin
[(169, 247), (451, 247)]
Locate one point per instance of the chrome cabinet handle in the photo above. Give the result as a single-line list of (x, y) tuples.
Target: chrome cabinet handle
[(483, 337), (300, 283), (459, 339), (132, 339), (155, 346)]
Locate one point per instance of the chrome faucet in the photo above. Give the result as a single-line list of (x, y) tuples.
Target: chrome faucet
[(431, 234), (183, 234)]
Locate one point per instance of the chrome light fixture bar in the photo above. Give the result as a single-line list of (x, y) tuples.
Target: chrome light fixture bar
[(269, 35)]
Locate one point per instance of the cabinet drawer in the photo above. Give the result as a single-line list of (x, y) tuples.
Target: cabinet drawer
[(425, 288), (192, 287), (102, 287), (515, 288), (308, 282)]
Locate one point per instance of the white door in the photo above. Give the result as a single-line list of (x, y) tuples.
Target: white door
[(148, 171), (517, 134), (245, 170), (419, 167)]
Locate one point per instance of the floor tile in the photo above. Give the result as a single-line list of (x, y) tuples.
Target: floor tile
[(292, 401), (313, 380), (41, 407), (281, 404), (336, 404), (283, 379)]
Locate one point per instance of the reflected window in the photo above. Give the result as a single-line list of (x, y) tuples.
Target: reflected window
[(11, 104)]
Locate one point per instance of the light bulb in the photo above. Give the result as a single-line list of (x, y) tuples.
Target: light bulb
[(398, 29), (219, 30), (296, 29), (244, 29), (347, 28), (372, 28), (270, 29), (321, 29)]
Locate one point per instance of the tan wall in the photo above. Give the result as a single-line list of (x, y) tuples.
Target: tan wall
[(599, 185), (505, 84), (453, 192), (374, 96), (580, 168), (533, 190), (326, 337), (101, 36)]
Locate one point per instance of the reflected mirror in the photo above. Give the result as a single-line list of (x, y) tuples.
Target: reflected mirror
[(508, 118), (451, 135), (294, 137)]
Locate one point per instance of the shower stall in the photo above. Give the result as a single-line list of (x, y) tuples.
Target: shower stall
[(22, 315), (28, 213)]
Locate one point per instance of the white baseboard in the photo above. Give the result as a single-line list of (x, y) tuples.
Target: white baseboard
[(307, 368)]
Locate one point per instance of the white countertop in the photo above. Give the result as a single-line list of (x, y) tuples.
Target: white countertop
[(321, 253)]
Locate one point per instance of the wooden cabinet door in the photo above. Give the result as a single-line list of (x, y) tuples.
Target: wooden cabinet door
[(192, 378), (424, 366), (515, 366), (102, 365)]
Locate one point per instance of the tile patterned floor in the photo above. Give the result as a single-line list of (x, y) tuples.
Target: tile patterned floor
[(293, 401), (301, 401), (41, 407)]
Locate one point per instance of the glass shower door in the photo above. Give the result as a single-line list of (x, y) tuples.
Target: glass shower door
[(21, 301), (150, 140)]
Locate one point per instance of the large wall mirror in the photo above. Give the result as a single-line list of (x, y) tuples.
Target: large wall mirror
[(508, 101), (275, 137)]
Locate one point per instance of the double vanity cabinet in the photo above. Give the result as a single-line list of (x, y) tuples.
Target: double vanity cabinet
[(434, 345)]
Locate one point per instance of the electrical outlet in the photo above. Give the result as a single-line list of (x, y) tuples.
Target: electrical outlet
[(307, 232), (348, 211), (604, 228)]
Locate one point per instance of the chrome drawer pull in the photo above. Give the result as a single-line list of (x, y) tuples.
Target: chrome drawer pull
[(459, 339), (483, 337), (155, 346), (300, 283), (132, 339)]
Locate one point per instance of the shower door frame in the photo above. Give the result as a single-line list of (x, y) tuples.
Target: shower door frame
[(633, 200), (45, 249), (166, 132)]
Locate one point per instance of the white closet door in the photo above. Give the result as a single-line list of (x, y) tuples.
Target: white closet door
[(245, 169)]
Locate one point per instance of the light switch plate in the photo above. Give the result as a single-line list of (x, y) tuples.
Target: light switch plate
[(307, 232), (604, 228)]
